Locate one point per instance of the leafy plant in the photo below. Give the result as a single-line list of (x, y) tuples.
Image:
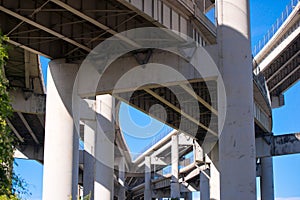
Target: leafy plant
[(7, 140)]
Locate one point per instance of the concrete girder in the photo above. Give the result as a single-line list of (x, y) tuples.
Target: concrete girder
[(28, 128), (153, 72), (48, 30), (277, 145), (15, 130), (283, 66), (32, 152), (285, 78), (201, 100), (95, 22), (17, 44), (34, 104), (180, 111)]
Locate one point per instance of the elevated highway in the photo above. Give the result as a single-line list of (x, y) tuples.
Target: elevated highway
[(279, 60), (67, 31)]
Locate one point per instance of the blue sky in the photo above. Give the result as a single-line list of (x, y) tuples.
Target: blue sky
[(285, 119)]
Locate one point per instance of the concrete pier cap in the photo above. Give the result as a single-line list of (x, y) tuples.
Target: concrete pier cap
[(111, 68)]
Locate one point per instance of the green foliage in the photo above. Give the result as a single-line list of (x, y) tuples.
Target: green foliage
[(6, 138), (10, 197), (87, 197)]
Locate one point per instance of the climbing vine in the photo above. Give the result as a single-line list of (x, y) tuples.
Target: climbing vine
[(6, 139)]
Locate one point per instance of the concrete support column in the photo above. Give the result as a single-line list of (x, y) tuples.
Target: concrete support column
[(266, 179), (104, 148), (237, 141), (89, 159), (214, 182), (188, 196), (61, 155), (122, 191), (175, 187), (147, 191), (204, 185)]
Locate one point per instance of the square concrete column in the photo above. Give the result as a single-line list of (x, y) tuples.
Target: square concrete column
[(266, 179), (214, 182), (61, 155), (237, 140), (89, 159), (204, 185), (104, 148), (122, 191), (147, 191), (175, 187)]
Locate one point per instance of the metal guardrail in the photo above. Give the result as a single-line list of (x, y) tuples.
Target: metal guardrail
[(261, 117), (165, 131), (188, 159), (274, 28)]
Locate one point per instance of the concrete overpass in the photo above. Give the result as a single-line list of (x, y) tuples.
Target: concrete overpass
[(278, 61), (67, 31)]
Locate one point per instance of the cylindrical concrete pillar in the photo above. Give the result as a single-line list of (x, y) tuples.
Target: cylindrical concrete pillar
[(104, 148), (61, 138), (204, 185), (266, 179), (237, 140), (175, 187), (147, 191)]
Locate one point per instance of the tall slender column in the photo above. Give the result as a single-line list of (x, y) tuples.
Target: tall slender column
[(204, 185), (188, 196), (122, 191), (266, 179), (175, 187), (61, 139), (89, 159), (237, 141), (147, 191), (214, 182), (104, 148)]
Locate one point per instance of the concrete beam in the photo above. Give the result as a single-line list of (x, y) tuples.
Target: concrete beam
[(28, 128), (32, 152), (48, 30), (33, 104), (117, 80), (192, 119), (185, 140), (278, 145), (15, 130), (202, 101), (95, 22)]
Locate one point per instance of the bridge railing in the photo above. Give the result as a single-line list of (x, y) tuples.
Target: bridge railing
[(186, 161), (274, 28), (163, 132)]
